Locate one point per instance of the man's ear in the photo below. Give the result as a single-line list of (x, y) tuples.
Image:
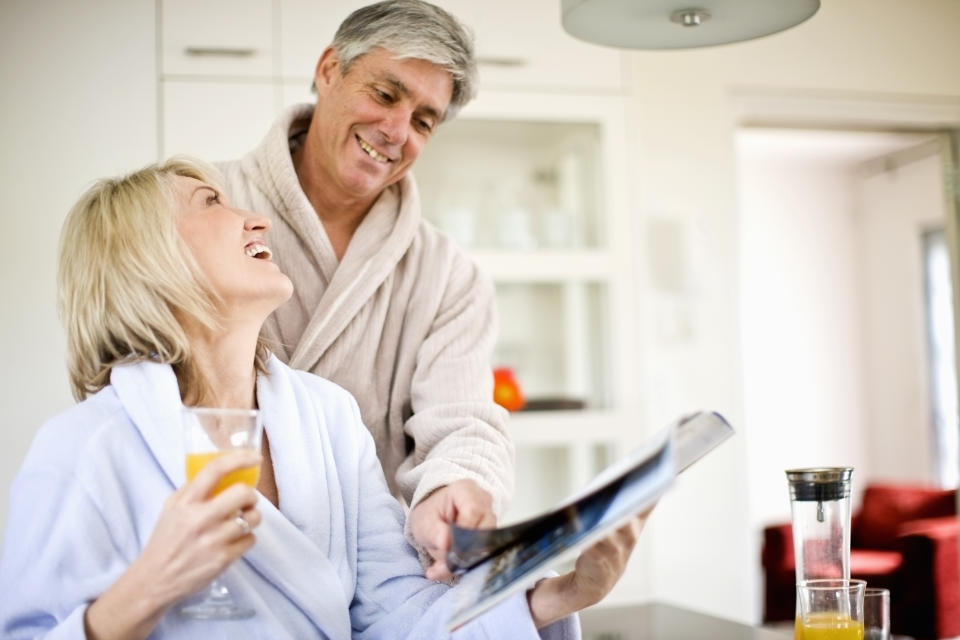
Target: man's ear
[(327, 71)]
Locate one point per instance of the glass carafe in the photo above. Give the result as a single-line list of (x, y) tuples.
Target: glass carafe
[(820, 505)]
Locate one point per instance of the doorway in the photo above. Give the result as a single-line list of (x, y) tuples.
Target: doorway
[(837, 364)]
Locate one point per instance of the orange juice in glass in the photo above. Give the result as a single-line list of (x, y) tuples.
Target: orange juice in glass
[(197, 461), (830, 626), (830, 609), (207, 434)]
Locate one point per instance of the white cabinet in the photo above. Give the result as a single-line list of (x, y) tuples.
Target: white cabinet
[(520, 45), (217, 37), (216, 77), (216, 120), (534, 188), (306, 28)]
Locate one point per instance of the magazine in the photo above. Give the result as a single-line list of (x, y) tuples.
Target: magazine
[(499, 562)]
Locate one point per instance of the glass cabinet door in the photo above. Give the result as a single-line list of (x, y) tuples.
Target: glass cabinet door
[(552, 338), (514, 185), (532, 187)]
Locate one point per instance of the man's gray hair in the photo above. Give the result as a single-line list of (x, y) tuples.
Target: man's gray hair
[(413, 29)]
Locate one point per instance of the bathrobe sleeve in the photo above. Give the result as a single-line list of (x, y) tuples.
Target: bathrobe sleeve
[(392, 598), (58, 557), (457, 430)]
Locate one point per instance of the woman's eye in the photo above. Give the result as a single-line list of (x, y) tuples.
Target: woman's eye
[(213, 199)]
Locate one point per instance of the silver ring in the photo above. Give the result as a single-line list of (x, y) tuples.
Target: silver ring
[(243, 524)]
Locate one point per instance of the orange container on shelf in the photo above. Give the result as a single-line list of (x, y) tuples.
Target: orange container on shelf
[(506, 389)]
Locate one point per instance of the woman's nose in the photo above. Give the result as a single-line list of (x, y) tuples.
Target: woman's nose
[(255, 221)]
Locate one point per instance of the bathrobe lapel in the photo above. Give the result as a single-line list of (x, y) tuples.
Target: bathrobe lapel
[(151, 398), (288, 560), (378, 244)]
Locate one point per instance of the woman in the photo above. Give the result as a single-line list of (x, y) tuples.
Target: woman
[(163, 289)]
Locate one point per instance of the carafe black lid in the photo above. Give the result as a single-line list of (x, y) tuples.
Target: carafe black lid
[(819, 483)]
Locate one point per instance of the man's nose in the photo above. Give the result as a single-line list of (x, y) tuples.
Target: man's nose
[(395, 127)]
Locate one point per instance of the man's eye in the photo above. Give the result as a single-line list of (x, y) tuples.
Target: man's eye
[(425, 125), (383, 96)]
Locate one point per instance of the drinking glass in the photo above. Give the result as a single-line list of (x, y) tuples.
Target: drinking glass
[(207, 434), (876, 614), (831, 609)]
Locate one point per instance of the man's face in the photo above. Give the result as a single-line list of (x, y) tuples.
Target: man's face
[(371, 123)]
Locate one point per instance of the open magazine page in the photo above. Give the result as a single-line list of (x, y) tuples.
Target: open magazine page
[(514, 557), (470, 547)]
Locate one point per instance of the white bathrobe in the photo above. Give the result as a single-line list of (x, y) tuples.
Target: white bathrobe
[(405, 322), (332, 562)]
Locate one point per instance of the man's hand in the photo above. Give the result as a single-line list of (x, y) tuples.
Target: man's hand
[(461, 502)]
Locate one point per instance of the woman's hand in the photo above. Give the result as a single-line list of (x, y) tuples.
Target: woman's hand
[(597, 570), (196, 538)]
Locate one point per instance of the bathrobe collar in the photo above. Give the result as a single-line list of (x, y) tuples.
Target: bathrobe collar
[(377, 246)]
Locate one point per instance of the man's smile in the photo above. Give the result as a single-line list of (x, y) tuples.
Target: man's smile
[(373, 153)]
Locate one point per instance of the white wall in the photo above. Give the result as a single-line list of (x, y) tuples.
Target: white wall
[(79, 102), (894, 208), (685, 116), (803, 374)]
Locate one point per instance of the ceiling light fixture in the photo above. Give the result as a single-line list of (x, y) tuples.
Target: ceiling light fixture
[(680, 24)]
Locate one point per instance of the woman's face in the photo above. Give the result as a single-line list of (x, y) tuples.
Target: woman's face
[(228, 245)]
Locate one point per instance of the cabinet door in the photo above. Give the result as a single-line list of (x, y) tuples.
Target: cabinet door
[(534, 188), (306, 28), (523, 45), (217, 37), (554, 336), (216, 120), (517, 185), (519, 44)]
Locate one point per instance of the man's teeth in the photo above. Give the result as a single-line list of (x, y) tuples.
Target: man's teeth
[(373, 153), (259, 251)]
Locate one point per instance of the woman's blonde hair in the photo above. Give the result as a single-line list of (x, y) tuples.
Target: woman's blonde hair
[(125, 279)]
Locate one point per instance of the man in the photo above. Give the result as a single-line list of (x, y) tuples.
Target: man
[(384, 304)]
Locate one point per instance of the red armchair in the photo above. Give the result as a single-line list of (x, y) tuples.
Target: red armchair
[(904, 538)]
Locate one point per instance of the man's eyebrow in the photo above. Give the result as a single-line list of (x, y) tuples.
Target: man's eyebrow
[(398, 84)]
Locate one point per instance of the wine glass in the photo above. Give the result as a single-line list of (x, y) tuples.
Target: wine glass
[(207, 434)]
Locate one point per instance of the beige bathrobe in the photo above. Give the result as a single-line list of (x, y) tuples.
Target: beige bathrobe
[(406, 323)]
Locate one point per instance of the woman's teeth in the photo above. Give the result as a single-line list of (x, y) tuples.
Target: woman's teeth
[(259, 250)]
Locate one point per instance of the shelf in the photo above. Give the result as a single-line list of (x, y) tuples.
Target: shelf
[(545, 266), (544, 428)]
